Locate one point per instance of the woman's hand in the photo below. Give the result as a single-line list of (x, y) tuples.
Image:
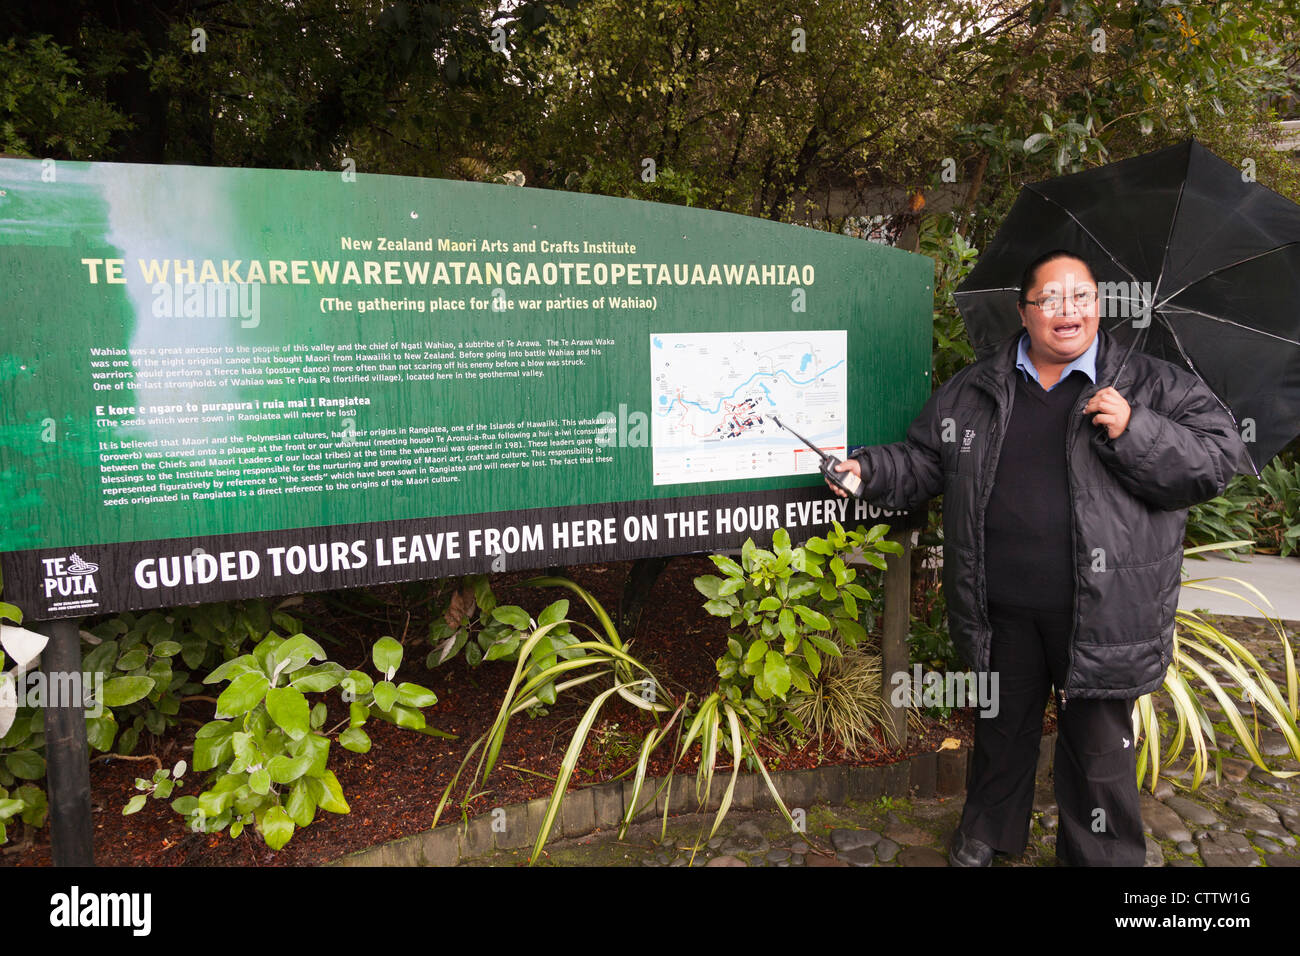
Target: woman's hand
[(850, 465), (1112, 411)]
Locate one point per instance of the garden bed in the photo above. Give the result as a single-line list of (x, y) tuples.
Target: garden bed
[(393, 790)]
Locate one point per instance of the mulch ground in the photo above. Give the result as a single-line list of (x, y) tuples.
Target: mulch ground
[(394, 789)]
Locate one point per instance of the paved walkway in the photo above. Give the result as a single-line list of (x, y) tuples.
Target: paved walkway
[(1278, 579)]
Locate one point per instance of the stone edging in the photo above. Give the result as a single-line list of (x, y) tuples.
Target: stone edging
[(602, 806)]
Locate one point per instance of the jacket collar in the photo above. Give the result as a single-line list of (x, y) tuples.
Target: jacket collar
[(996, 377)]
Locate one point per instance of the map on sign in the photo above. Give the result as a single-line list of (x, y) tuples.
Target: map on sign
[(713, 395)]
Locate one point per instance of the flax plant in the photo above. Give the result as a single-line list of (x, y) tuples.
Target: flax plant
[(714, 724), (1207, 658)]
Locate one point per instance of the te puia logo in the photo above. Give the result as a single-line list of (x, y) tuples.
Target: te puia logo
[(69, 577)]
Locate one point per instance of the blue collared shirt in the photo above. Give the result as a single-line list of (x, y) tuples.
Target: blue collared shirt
[(1085, 363)]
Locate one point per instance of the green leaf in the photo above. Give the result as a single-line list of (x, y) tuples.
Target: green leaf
[(317, 678), (731, 586), (812, 618), (289, 708), (100, 732), (385, 695), (553, 613), (276, 827), (259, 781), (134, 804), (769, 603), (355, 739), (357, 683), (301, 804), (136, 657), (243, 664), (333, 799), (851, 631), (512, 616), (413, 695), (213, 744), (25, 764), (776, 673), (387, 655), (120, 691), (413, 719), (824, 645), (812, 657), (299, 651), (719, 608), (708, 585), (185, 805), (785, 621), (780, 540), (728, 566), (244, 693), (285, 769), (358, 713)]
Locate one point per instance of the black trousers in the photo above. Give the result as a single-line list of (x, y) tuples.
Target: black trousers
[(1095, 762)]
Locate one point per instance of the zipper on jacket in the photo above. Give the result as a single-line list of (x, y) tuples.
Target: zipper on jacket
[(991, 462), (1074, 544)]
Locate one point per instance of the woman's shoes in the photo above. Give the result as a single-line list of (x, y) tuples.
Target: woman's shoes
[(967, 851)]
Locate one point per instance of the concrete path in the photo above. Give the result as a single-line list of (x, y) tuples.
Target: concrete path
[(1278, 579)]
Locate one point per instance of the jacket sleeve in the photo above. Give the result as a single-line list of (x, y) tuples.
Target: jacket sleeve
[(1178, 459), (906, 474)]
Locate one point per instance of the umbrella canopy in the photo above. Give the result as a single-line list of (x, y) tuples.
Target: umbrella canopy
[(1194, 265)]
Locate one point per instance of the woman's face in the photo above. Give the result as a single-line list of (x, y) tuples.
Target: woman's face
[(1061, 312)]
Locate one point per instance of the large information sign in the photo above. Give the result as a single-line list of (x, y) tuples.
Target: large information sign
[(220, 383)]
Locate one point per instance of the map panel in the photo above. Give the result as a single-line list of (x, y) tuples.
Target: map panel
[(713, 395)]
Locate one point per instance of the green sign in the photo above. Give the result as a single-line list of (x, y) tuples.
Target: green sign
[(230, 382)]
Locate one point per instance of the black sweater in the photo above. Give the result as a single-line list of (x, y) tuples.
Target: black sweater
[(1027, 545)]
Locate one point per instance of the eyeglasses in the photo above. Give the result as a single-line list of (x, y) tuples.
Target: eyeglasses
[(1051, 304)]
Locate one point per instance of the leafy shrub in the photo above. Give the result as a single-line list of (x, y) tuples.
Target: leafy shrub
[(1227, 517), (787, 608), (266, 749), (1277, 508)]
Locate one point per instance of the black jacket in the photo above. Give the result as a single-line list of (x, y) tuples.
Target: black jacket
[(1129, 505)]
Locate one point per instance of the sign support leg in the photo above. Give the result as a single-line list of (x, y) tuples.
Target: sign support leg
[(893, 641), (67, 755)]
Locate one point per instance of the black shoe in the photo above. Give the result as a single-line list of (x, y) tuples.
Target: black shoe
[(967, 851)]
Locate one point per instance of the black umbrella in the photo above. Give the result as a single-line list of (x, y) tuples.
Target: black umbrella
[(1179, 232)]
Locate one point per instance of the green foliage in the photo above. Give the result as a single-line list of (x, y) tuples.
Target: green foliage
[(1263, 512), (941, 240), (267, 750), (46, 105), (1277, 508), (603, 656), (1227, 517), (497, 632), (788, 608), (161, 787), (148, 663)]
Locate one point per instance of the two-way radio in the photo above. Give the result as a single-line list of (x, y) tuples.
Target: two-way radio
[(847, 481)]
